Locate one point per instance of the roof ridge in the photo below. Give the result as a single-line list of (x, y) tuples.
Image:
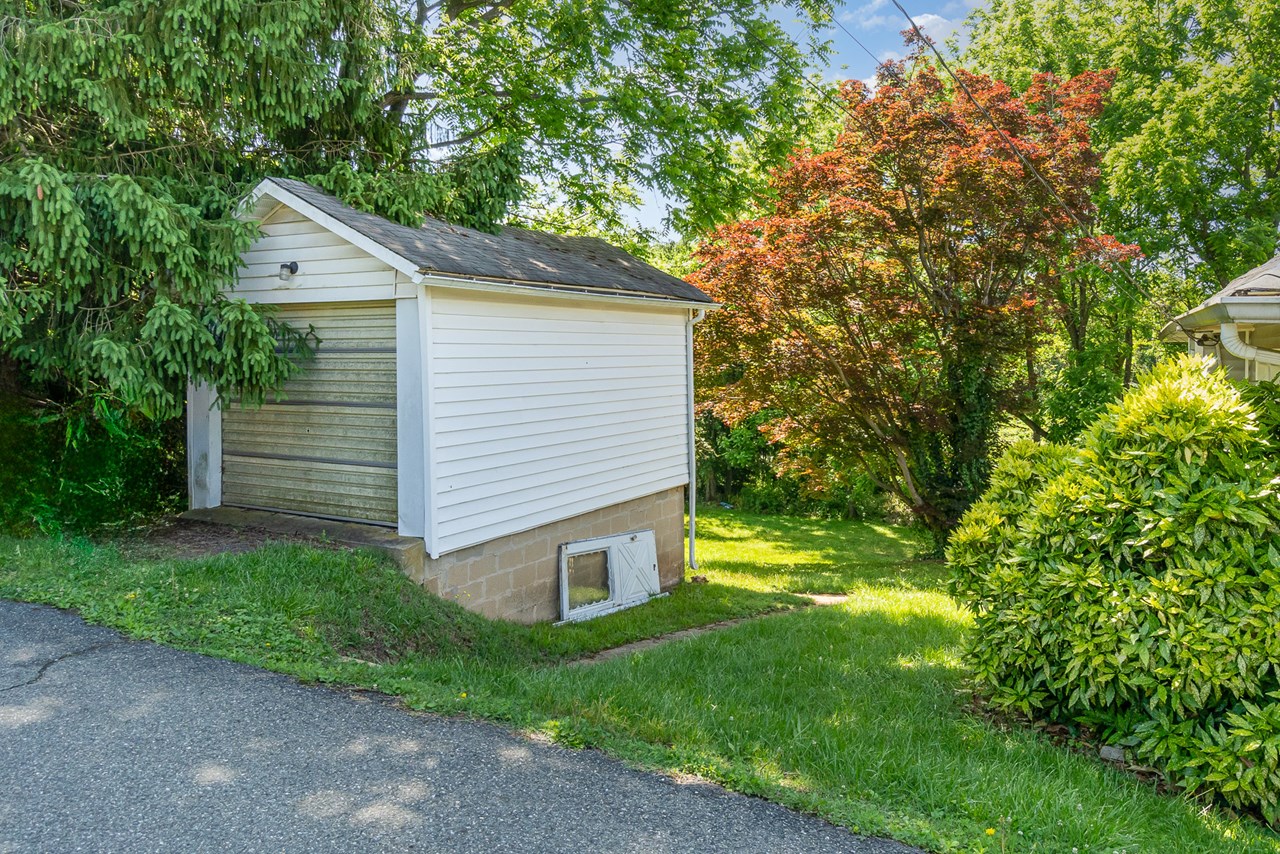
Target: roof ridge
[(516, 253)]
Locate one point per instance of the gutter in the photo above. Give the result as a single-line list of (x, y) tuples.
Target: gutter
[(509, 286), (694, 318), (1229, 338)]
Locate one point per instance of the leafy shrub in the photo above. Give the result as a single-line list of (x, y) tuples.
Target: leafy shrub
[(1265, 400), (743, 465), (81, 473), (1073, 396), (1134, 584)]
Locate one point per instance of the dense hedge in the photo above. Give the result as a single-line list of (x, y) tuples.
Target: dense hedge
[(1133, 584)]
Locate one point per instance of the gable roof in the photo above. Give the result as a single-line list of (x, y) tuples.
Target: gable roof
[(1253, 297), (515, 255)]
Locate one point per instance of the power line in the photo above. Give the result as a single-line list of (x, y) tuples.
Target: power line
[(1085, 227), (888, 68), (824, 93)]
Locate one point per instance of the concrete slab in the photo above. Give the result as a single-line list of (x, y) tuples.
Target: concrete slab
[(409, 553)]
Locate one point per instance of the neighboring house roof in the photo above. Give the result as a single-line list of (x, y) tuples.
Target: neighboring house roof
[(513, 255), (1251, 298)]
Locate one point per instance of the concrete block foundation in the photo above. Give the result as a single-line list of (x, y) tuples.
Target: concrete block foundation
[(515, 577)]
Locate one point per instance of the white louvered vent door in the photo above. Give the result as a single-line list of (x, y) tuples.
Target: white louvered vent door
[(636, 573), (328, 447)]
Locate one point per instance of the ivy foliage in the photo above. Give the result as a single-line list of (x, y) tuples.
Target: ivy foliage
[(1133, 584)]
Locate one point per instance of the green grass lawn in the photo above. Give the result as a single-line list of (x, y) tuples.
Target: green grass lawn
[(854, 712)]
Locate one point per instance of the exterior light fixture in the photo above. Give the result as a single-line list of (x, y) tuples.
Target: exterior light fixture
[(287, 270)]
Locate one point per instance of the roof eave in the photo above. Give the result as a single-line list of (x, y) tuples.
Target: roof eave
[(255, 207), (259, 204), (560, 291), (1226, 309)]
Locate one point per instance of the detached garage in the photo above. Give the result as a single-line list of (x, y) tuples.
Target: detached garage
[(520, 402)]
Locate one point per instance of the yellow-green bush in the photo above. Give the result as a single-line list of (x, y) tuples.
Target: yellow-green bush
[(1133, 584)]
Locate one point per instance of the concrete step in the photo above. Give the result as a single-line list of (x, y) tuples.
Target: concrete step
[(408, 552)]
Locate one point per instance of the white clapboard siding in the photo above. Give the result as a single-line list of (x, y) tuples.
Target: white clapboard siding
[(328, 266), (546, 409), (327, 445)]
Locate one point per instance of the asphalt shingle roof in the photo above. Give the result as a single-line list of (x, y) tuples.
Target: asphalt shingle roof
[(1265, 277), (514, 254)]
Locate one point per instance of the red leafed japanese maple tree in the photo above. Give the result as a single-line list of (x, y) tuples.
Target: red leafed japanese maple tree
[(889, 298)]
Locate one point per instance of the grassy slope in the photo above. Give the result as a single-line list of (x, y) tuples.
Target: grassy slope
[(851, 711)]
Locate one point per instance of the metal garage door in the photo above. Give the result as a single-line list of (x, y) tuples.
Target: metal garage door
[(328, 448)]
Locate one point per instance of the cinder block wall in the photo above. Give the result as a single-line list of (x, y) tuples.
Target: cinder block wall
[(517, 577)]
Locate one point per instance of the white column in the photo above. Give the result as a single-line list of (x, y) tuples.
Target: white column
[(425, 321), (204, 447), (411, 499)]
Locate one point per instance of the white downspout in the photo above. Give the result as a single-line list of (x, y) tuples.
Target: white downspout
[(1229, 338), (693, 455)]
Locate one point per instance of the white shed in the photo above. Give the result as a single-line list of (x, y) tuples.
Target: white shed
[(521, 402), (1237, 328)]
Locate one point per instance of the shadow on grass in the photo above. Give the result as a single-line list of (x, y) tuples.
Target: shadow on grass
[(854, 712)]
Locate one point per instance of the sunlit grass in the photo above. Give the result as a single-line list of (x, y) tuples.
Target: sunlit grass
[(855, 711)]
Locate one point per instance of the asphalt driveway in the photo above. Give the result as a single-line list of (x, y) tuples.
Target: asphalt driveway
[(108, 744)]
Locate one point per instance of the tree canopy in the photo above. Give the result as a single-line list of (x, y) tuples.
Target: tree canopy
[(130, 128), (1190, 141), (887, 299)]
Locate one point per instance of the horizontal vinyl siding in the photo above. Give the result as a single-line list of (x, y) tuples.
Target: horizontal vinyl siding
[(326, 262), (327, 446), (545, 410)]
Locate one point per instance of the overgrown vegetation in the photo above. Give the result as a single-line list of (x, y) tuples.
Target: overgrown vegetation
[(84, 473), (130, 131), (742, 465), (1133, 585), (854, 711), (1204, 210)]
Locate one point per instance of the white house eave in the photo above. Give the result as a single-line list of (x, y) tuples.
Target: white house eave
[(268, 189), (1224, 310), (570, 292)]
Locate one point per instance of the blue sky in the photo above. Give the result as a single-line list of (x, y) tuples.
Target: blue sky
[(878, 25)]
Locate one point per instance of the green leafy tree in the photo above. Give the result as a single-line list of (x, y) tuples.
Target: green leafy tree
[(1190, 158), (129, 129), (1190, 142)]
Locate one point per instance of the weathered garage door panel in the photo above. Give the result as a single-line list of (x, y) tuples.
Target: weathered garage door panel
[(321, 489), (344, 433), (350, 377), (328, 446)]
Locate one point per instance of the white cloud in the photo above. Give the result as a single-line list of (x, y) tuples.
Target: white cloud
[(868, 16), (936, 27)]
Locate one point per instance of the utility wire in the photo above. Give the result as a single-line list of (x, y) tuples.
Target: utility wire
[(991, 119), (823, 92), (1085, 227), (887, 68), (1135, 291)]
